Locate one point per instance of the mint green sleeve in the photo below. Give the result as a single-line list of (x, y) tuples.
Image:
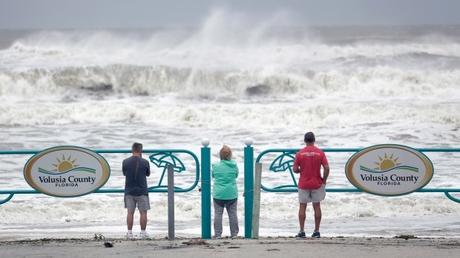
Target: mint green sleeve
[(237, 172)]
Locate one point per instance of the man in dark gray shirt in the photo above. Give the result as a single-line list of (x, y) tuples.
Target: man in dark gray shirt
[(136, 170)]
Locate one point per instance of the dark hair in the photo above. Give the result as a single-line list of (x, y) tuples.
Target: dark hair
[(137, 147), (309, 137)]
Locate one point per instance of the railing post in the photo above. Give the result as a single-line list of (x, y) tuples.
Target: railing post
[(248, 187), (171, 203), (256, 207), (205, 190)]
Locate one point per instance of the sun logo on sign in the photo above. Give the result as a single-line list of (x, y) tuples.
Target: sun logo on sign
[(387, 162), (65, 164)]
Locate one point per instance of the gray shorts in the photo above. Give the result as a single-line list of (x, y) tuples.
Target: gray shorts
[(314, 195), (142, 202)]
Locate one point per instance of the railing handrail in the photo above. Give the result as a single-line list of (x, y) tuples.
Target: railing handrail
[(107, 151), (291, 150)]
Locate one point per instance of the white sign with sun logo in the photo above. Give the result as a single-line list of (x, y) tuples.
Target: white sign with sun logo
[(389, 169), (66, 171)]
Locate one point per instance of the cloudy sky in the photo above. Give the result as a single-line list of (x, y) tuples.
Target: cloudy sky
[(153, 13)]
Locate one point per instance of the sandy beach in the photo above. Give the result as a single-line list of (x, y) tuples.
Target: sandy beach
[(266, 247)]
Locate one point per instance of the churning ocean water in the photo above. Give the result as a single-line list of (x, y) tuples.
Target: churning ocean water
[(172, 87)]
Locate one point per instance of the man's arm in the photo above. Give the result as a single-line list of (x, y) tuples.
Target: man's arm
[(325, 173), (295, 167), (147, 173), (325, 164), (123, 168)]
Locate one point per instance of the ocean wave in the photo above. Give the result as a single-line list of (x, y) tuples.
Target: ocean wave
[(415, 60), (228, 59), (134, 80), (234, 116)]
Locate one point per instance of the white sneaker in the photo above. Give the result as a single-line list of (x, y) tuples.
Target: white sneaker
[(144, 235), (129, 236)]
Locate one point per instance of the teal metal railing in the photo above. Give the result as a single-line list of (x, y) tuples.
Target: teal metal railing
[(161, 158), (281, 163), (284, 161), (248, 188), (205, 190)]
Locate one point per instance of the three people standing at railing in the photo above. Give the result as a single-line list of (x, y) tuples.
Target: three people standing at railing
[(308, 162), (225, 192), (311, 187), (136, 170)]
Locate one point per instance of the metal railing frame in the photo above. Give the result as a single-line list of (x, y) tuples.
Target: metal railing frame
[(203, 172), (249, 173)]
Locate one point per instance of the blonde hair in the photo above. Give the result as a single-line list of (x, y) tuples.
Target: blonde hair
[(225, 153)]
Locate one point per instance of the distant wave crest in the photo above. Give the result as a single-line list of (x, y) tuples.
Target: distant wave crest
[(136, 80)]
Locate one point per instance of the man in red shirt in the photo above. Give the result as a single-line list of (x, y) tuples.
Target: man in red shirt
[(308, 162)]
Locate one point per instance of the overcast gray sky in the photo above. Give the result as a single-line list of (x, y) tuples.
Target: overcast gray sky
[(153, 13)]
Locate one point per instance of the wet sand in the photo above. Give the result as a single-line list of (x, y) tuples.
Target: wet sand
[(265, 247)]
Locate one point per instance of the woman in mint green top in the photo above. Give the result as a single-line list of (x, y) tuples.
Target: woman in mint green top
[(225, 192), (225, 173)]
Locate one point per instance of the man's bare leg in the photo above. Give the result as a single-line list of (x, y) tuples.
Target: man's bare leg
[(302, 210), (143, 220), (317, 209)]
